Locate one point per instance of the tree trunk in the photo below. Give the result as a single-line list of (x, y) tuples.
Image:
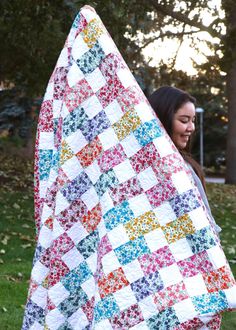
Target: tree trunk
[(231, 92)]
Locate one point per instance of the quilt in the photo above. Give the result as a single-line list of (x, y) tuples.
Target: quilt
[(123, 238)]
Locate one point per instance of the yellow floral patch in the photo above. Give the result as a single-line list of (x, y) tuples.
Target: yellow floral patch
[(141, 225), (178, 229), (66, 153), (128, 123), (92, 32)]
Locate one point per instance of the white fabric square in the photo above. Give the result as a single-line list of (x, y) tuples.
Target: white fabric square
[(61, 203), (114, 112), (64, 111), (54, 319), (92, 106), (106, 203), (144, 112), (133, 271), (43, 184), (45, 237), (148, 307), (46, 140), (36, 326), (57, 293), (139, 204), (52, 177), (230, 295), (124, 171), (56, 107), (46, 212), (49, 92), (77, 232), (199, 218), (104, 324), (164, 213), (72, 258), (155, 239), (93, 171), (140, 326), (90, 198), (92, 262), (195, 285), (163, 146), (63, 58), (125, 297), (126, 77), (78, 320), (118, 236), (106, 44), (181, 249), (147, 179), (57, 229), (39, 272), (170, 275), (89, 287), (96, 80), (76, 141), (74, 75), (102, 231), (89, 14), (39, 296), (216, 256), (130, 145), (185, 310), (72, 168), (181, 181), (110, 262), (108, 138), (79, 47)]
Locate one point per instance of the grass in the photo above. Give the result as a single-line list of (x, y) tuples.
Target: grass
[(17, 237)]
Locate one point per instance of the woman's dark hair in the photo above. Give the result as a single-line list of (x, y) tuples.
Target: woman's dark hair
[(166, 101)]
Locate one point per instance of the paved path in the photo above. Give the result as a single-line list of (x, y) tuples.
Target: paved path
[(215, 180)]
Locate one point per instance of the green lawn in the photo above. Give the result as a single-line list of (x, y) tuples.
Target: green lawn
[(17, 237)]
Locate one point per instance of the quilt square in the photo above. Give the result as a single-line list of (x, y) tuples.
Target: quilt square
[(184, 203), (93, 127), (74, 75), (77, 187), (73, 280), (73, 121), (126, 77), (147, 132), (195, 285), (72, 168), (130, 145), (147, 179), (118, 236), (127, 124), (178, 229), (90, 60), (77, 94), (96, 80), (144, 112), (71, 304), (164, 213), (166, 319), (170, 275), (113, 112), (76, 141), (79, 47), (108, 139), (181, 181), (92, 106), (210, 302), (93, 171), (170, 295), (139, 205), (112, 157), (141, 225), (117, 279), (119, 214), (126, 190), (201, 240), (92, 31), (133, 271), (144, 157), (106, 308), (110, 262), (110, 91), (106, 180), (128, 318), (122, 295), (89, 153), (131, 250), (155, 239), (91, 220), (124, 171), (185, 312), (219, 279), (88, 245), (181, 249), (147, 285)]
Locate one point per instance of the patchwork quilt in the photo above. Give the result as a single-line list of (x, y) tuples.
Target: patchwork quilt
[(123, 238)]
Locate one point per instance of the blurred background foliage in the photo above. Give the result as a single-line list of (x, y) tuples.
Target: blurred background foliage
[(32, 33)]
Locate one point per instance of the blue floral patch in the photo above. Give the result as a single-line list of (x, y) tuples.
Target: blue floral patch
[(106, 308), (184, 203), (45, 161), (89, 244), (33, 313), (131, 250), (91, 128), (210, 302), (165, 320), (91, 59), (148, 285), (120, 214), (201, 240), (73, 280), (77, 187), (105, 181), (73, 121), (71, 304), (147, 132)]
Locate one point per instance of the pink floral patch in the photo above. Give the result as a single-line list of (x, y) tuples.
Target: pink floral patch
[(45, 123), (127, 318), (144, 158), (111, 158), (77, 94), (126, 190)]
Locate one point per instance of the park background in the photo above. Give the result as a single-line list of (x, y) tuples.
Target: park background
[(187, 44)]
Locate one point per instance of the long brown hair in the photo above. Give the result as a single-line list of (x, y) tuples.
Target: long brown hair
[(166, 101)]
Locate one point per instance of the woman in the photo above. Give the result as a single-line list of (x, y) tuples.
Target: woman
[(176, 110)]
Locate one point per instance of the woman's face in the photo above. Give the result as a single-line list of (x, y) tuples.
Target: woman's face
[(183, 125)]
